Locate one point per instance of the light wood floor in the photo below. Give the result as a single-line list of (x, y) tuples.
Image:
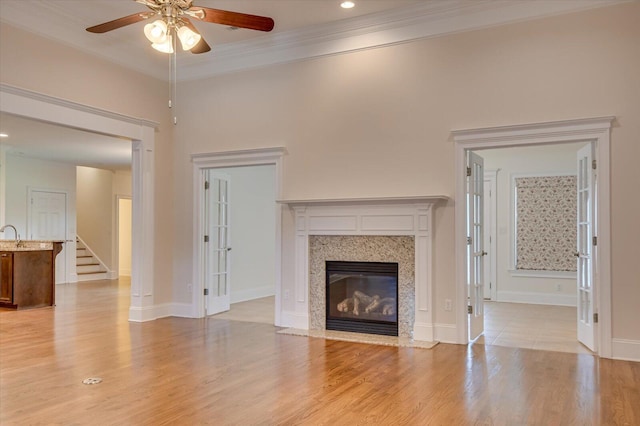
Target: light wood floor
[(177, 371), (521, 325), (258, 310), (516, 325)]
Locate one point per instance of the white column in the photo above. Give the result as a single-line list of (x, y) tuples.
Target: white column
[(142, 282)]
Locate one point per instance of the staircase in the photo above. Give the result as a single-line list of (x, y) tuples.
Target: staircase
[(88, 267)]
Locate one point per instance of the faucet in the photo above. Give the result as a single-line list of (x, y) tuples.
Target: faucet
[(14, 231)]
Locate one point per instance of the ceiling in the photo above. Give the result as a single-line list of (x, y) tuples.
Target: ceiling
[(303, 29), (45, 141)]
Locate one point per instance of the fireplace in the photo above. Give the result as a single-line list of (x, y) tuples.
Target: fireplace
[(362, 297), (390, 229)]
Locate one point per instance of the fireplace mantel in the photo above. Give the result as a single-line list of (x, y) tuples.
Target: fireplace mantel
[(389, 216), (365, 201)]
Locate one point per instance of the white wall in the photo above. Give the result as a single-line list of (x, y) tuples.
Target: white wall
[(23, 173), (124, 236), (98, 192), (95, 206), (378, 122), (52, 68), (122, 191), (550, 160), (253, 232)]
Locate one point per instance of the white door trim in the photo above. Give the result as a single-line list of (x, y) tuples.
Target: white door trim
[(250, 157), (596, 130), (50, 109)]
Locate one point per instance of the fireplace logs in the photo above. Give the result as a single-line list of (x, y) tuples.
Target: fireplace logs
[(372, 304)]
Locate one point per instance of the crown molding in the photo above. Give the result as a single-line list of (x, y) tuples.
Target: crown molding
[(421, 21)]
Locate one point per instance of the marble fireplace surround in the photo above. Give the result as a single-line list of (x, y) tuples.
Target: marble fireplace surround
[(377, 229), (362, 248)]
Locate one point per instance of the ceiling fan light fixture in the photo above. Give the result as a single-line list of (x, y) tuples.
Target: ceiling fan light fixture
[(347, 4), (157, 31), (164, 47), (188, 38)]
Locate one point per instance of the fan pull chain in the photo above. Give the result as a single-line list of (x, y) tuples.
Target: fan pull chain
[(172, 85)]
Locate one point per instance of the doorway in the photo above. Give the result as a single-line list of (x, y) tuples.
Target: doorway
[(47, 215), (239, 218), (56, 111), (535, 214), (237, 244), (593, 131)]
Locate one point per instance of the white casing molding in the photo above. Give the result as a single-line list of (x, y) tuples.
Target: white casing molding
[(213, 160), (410, 216), (594, 130), (49, 109)]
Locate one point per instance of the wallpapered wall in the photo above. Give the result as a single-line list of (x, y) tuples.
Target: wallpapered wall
[(546, 223)]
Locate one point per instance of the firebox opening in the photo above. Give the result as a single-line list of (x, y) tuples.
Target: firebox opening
[(362, 297)]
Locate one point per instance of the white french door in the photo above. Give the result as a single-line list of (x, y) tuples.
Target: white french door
[(585, 247), (216, 246), (475, 244), (489, 230), (48, 221)]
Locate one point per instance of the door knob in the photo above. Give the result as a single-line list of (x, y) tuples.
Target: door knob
[(484, 253), (576, 254)]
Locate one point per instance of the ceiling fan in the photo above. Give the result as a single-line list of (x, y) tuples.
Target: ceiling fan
[(174, 20)]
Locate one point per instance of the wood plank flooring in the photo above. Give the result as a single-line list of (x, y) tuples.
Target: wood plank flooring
[(257, 310), (177, 371), (523, 325)]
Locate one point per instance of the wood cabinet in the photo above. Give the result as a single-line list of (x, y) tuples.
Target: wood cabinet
[(6, 278), (27, 278)]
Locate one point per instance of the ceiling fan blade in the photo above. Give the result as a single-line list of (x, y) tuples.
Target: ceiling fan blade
[(233, 19), (202, 45), (120, 22)]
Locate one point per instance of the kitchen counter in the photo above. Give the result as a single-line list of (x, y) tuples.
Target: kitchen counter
[(27, 245), (27, 273)]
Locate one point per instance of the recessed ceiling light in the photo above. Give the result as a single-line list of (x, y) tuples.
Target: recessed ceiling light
[(347, 4), (4, 135)]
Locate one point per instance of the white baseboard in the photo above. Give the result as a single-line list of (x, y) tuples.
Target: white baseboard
[(183, 310), (147, 313), (292, 319), (252, 293), (112, 275), (446, 333), (537, 298), (423, 331), (125, 273), (624, 349)]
